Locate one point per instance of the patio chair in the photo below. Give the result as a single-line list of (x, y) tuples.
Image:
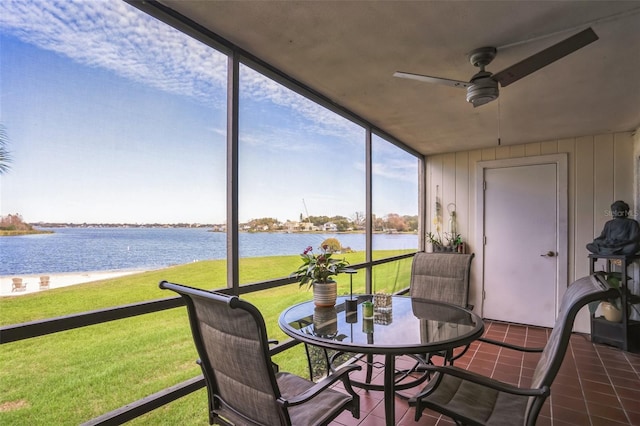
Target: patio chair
[(44, 282), (473, 399), (443, 277), (18, 285), (243, 388)]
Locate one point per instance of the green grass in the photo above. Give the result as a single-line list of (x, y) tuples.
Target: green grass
[(70, 377)]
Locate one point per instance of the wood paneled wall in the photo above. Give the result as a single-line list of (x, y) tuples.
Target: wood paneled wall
[(602, 169)]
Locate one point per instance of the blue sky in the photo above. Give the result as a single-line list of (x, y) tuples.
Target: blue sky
[(115, 117)]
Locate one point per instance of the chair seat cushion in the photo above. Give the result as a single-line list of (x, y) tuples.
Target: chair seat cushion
[(478, 404), (319, 410)]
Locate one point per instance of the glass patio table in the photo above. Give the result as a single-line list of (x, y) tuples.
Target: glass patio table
[(404, 327)]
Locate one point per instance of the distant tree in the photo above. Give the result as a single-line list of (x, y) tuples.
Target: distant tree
[(263, 224), (358, 220), (394, 221), (319, 220), (14, 222), (333, 245), (5, 157), (378, 223), (342, 223), (411, 222)]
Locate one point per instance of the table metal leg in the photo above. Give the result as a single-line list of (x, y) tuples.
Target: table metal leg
[(369, 368), (389, 390)]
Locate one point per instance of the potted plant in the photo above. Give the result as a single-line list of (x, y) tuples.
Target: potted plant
[(317, 271), (458, 244), (435, 241), (450, 243), (453, 240), (611, 308)]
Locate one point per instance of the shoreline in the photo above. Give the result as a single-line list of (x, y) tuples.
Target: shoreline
[(59, 279)]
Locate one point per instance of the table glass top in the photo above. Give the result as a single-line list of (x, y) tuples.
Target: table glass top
[(406, 323)]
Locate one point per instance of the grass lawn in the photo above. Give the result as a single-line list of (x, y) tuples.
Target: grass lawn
[(73, 376)]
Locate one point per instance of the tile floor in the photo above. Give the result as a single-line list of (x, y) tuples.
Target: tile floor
[(597, 385)]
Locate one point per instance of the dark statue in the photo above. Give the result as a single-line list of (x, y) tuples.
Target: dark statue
[(621, 235)]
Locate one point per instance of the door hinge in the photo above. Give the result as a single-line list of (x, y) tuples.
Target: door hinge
[(484, 240), (484, 295), (484, 185)]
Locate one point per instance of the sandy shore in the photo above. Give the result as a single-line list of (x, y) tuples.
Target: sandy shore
[(58, 280)]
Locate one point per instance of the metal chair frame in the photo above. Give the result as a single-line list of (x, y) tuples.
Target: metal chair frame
[(452, 389), (224, 319)]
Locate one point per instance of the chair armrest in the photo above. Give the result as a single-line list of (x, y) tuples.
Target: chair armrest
[(481, 380), (510, 346), (273, 342), (341, 373)]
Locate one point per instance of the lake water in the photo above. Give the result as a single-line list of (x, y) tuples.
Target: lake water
[(103, 249)]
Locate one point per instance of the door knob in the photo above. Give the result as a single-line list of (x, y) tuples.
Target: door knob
[(549, 254)]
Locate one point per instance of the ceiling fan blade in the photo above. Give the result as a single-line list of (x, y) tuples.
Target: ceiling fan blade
[(436, 80), (545, 57)]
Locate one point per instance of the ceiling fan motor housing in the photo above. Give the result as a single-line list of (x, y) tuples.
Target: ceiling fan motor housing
[(483, 89)]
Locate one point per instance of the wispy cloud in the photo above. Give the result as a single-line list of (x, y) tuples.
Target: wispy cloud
[(319, 119), (112, 35), (403, 170), (392, 163), (397, 169)]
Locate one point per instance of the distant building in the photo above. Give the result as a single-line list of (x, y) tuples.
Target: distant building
[(330, 227)]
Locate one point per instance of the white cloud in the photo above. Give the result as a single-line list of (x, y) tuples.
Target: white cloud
[(112, 35), (397, 169), (324, 122)]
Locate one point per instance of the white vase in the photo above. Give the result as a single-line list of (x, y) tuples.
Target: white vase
[(325, 294), (610, 312)]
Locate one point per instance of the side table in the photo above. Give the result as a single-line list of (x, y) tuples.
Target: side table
[(626, 333)]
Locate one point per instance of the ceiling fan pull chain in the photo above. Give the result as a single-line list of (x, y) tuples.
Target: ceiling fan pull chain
[(499, 128)]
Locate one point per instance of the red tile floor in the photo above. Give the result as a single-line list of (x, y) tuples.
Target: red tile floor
[(597, 385)]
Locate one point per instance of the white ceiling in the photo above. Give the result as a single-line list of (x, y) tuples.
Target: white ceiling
[(349, 50)]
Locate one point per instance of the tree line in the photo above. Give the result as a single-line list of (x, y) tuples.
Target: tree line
[(391, 222), (14, 222)]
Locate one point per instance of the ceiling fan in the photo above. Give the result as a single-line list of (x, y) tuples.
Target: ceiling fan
[(483, 86)]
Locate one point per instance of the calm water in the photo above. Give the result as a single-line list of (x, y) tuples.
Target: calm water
[(101, 249)]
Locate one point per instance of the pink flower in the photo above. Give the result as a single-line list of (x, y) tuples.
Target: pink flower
[(318, 268)]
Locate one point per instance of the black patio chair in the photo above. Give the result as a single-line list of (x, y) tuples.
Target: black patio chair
[(243, 388), (443, 277), (472, 399)]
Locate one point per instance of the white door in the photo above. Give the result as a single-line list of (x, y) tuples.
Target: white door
[(521, 244)]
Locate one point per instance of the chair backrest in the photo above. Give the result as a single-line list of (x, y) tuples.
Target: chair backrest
[(44, 281), (17, 284), (441, 276), (581, 292), (231, 339)]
